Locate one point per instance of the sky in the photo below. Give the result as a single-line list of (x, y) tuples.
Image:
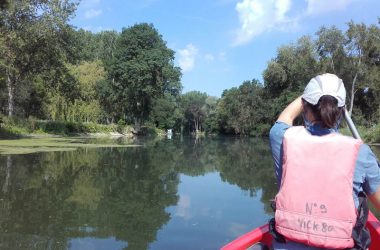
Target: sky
[(220, 43)]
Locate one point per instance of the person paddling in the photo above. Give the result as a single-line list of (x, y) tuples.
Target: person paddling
[(323, 176)]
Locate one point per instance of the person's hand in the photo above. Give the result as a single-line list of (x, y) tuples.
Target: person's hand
[(291, 112)]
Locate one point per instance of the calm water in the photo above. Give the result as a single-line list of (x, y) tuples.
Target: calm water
[(168, 194)]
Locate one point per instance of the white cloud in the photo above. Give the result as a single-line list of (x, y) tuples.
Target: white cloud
[(90, 3), (147, 3), (209, 57), (222, 56), (315, 7), (183, 207), (96, 29), (91, 13), (91, 8), (187, 56), (259, 16)]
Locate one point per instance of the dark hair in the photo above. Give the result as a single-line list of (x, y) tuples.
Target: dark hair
[(326, 111)]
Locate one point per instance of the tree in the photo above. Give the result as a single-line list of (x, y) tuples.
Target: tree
[(142, 70), (192, 103), (288, 73), (362, 48), (330, 47), (87, 75), (33, 40), (3, 4), (227, 105), (94, 46), (243, 111), (211, 120), (164, 113)]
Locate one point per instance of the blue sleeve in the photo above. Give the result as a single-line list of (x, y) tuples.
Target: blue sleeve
[(276, 135), (367, 171)]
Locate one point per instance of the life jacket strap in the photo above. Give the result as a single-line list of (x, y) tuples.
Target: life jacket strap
[(360, 233), (272, 226), (276, 235)]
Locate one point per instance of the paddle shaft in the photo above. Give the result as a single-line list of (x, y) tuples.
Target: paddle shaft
[(351, 125)]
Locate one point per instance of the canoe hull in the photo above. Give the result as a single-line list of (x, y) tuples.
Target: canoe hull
[(261, 234)]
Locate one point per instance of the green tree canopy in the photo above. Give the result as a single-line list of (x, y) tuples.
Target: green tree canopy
[(192, 104), (142, 70), (33, 40)]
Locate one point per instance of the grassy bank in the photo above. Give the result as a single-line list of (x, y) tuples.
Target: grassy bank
[(16, 127), (369, 135), (372, 135), (49, 144)]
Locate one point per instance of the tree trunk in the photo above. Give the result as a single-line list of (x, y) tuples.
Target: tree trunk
[(10, 94), (352, 94), (332, 64), (137, 125), (354, 83)]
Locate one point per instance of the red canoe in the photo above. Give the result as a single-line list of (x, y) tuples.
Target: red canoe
[(261, 234)]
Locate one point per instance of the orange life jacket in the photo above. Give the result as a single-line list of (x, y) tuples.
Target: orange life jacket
[(315, 203)]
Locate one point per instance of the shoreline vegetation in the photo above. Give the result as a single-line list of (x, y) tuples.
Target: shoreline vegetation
[(20, 128), (23, 140), (58, 79), (29, 145), (370, 136), (32, 128)]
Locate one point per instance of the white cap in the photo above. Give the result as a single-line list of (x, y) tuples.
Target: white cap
[(326, 84)]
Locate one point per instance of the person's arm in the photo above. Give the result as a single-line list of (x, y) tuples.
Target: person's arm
[(368, 163), (375, 199), (291, 112)]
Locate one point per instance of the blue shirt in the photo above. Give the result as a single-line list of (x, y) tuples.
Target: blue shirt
[(366, 174)]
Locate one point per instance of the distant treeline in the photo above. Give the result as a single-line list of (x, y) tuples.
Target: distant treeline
[(49, 70)]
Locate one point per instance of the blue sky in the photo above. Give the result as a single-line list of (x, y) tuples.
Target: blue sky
[(221, 43)]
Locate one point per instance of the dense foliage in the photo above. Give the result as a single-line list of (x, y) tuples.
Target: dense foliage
[(353, 55), (52, 71)]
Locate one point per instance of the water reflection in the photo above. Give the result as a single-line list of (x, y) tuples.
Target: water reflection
[(122, 198)]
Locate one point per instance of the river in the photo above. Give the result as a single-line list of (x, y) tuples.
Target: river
[(182, 193)]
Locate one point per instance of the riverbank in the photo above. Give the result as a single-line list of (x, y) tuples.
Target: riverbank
[(372, 135), (368, 135), (11, 128), (50, 144)]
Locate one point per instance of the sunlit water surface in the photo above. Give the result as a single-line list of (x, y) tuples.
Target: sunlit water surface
[(182, 193)]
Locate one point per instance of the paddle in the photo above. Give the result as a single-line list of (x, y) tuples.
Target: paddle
[(373, 223), (351, 125)]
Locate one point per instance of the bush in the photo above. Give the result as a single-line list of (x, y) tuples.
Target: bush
[(127, 130), (260, 130), (8, 134), (91, 127), (13, 126), (372, 135), (120, 125), (32, 123), (54, 127)]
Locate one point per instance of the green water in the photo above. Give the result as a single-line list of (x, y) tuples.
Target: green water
[(164, 194)]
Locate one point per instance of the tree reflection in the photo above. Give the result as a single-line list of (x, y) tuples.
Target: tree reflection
[(47, 199), (248, 164), (100, 193)]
